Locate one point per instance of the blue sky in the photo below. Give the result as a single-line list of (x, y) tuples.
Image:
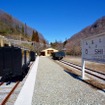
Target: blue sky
[(55, 19)]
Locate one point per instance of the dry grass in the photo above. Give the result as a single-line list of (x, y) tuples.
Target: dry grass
[(92, 65), (95, 84)]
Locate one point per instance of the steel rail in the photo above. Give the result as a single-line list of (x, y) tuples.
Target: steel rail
[(10, 93), (87, 70)]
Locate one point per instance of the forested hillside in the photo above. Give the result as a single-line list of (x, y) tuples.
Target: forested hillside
[(13, 28)]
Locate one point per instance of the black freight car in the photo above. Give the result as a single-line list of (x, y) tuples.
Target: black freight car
[(32, 56), (58, 55), (13, 63)]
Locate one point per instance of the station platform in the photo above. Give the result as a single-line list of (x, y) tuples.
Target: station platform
[(50, 84)]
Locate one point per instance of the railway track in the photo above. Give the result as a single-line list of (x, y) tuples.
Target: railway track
[(6, 91), (96, 74)]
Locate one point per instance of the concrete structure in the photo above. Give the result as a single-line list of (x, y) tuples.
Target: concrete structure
[(4, 41), (1, 41), (25, 95), (48, 51)]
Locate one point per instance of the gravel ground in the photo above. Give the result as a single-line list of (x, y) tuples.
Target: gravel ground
[(54, 86)]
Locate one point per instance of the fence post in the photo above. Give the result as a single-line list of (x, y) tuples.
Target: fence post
[(83, 69)]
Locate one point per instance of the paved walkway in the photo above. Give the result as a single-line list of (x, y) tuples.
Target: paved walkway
[(54, 86)]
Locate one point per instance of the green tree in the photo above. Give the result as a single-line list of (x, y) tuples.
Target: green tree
[(35, 36), (22, 29), (25, 29)]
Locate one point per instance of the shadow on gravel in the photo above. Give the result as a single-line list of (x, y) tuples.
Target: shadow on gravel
[(79, 78), (73, 75)]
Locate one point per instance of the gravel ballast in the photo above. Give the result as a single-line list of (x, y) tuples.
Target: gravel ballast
[(54, 86)]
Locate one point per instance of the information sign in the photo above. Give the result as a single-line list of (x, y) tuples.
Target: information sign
[(93, 49)]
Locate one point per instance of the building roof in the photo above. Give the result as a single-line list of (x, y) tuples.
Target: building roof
[(49, 49)]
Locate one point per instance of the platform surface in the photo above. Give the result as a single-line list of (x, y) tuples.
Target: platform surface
[(54, 86)]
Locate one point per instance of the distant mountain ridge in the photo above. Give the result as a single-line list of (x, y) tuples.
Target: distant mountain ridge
[(11, 26), (73, 44)]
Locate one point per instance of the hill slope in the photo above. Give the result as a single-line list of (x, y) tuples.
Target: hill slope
[(73, 44), (13, 28)]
